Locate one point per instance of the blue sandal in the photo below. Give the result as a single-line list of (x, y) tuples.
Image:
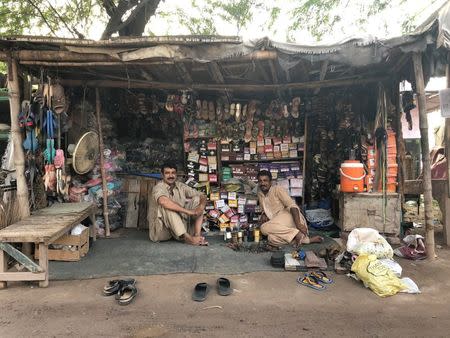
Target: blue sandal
[(311, 282), (321, 277)]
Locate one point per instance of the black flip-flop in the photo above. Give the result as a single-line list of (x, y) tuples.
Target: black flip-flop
[(224, 286), (200, 292), (126, 294), (115, 285)]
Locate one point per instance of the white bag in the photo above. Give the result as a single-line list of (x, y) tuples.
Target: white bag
[(367, 241)]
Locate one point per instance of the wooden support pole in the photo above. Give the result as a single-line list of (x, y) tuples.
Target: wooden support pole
[(423, 122), (447, 129), (446, 198), (401, 152), (16, 138), (43, 263), (102, 163)]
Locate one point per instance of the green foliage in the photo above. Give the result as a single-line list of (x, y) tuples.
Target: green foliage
[(316, 16), (320, 17), (42, 17), (206, 17)]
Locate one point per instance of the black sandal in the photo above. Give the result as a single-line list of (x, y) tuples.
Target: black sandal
[(115, 285), (126, 294)]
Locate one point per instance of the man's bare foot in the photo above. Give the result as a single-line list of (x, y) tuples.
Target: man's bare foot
[(297, 241), (195, 240), (316, 239)]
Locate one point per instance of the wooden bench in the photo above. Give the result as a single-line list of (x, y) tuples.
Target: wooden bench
[(42, 228)]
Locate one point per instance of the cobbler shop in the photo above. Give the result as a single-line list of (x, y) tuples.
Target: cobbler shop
[(92, 122)]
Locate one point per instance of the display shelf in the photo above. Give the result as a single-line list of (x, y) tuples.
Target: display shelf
[(264, 161)]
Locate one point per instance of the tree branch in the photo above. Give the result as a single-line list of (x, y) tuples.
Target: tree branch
[(116, 18), (109, 7), (72, 30), (42, 16)]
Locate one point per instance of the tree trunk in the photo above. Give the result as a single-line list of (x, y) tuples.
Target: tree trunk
[(423, 122), (135, 24), (16, 138)]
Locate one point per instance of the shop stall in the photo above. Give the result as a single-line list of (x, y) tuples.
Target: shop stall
[(324, 120)]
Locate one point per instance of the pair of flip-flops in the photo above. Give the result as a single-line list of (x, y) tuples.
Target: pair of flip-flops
[(124, 290), (316, 280), (201, 290)]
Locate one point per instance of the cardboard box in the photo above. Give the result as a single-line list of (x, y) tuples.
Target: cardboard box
[(79, 247)]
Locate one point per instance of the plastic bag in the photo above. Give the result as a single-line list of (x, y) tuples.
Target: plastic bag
[(366, 241), (414, 248), (393, 266), (377, 276), (319, 218)]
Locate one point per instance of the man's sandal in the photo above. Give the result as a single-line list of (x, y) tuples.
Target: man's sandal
[(321, 277), (311, 282)]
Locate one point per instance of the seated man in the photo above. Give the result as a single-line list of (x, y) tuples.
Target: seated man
[(171, 207), (281, 220)]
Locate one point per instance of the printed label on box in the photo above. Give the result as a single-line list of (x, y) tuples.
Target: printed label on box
[(232, 203), (232, 195), (214, 196), (203, 177), (203, 160), (293, 153), (296, 182), (193, 157), (219, 204)]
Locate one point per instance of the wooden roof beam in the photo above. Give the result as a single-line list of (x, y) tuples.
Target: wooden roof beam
[(183, 72), (273, 71), (353, 81), (323, 73), (215, 72)]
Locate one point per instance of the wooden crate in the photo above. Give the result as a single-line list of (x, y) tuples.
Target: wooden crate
[(80, 242), (365, 210)]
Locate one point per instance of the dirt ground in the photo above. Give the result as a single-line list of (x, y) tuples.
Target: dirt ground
[(264, 304)]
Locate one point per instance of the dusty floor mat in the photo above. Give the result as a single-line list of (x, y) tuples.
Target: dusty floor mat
[(133, 254)]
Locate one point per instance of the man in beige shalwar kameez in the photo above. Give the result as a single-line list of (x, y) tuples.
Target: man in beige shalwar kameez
[(172, 206), (281, 220)]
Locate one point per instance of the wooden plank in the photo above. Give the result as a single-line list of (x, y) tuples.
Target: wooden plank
[(67, 255), (20, 257), (65, 208), (22, 276), (142, 219), (43, 263), (131, 220), (41, 228)]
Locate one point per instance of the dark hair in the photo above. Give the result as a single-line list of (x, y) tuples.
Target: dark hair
[(168, 165), (265, 173)]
